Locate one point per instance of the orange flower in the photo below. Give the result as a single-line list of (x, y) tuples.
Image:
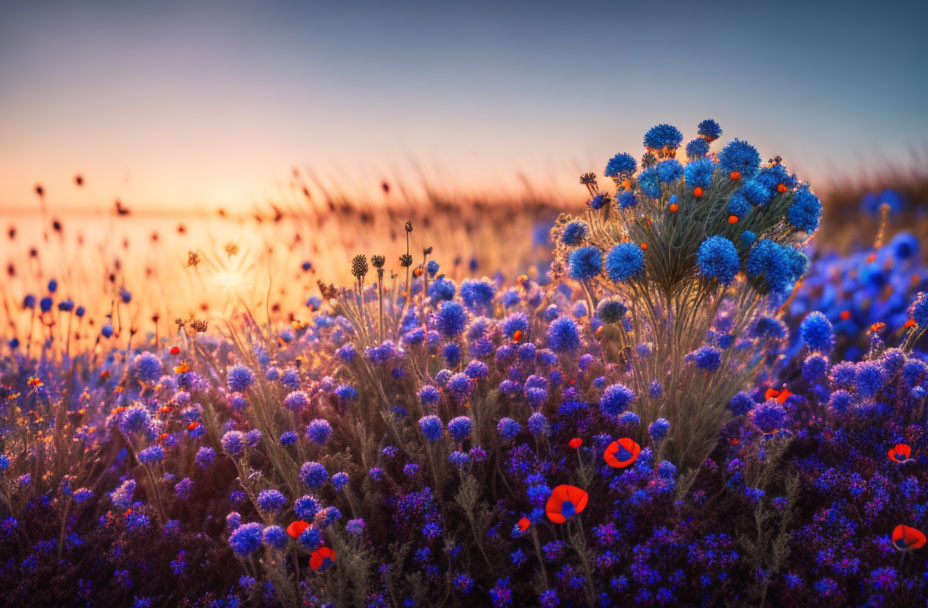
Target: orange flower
[(906, 538), (517, 335), (845, 315), (296, 528), (175, 350), (674, 207), (193, 425), (697, 192), (644, 246), (183, 368), (575, 443), (622, 453), (879, 326), (736, 175), (565, 502), (780, 396), (900, 453), (781, 188), (35, 382), (524, 524), (732, 219), (322, 559)]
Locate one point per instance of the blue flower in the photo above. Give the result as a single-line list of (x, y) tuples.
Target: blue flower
[(740, 156), (246, 539), (135, 420), (706, 358), (616, 399), (306, 507), (319, 431), (275, 536), (271, 501), (599, 201), (151, 454), (460, 428), (718, 259), (428, 394), (147, 367), (663, 136), (574, 233), (697, 148), (610, 311), (627, 199), (452, 319), (477, 293), (431, 427), (233, 443), (460, 385), (508, 428), (868, 379), (741, 404), (699, 172), (739, 206), (563, 335), (649, 182), (313, 474), (769, 416), (621, 165), (816, 332), (240, 378), (805, 213), (755, 193), (918, 311), (659, 429), (625, 261), (538, 424), (669, 171), (585, 263), (709, 129), (296, 401)]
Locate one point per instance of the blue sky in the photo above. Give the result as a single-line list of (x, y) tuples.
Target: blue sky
[(174, 104)]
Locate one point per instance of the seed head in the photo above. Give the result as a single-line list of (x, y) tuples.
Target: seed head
[(408, 226), (378, 261), (405, 260), (359, 266)]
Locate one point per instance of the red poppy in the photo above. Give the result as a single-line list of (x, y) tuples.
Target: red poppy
[(297, 528), (780, 396), (322, 559), (621, 453), (575, 443), (906, 538), (175, 350), (900, 453), (524, 524), (565, 502)]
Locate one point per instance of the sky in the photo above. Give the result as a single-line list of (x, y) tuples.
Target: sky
[(174, 106)]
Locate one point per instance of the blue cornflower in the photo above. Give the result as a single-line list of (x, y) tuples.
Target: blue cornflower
[(441, 289), (904, 246), (538, 424), (296, 401), (769, 416), (311, 538), (240, 378), (599, 201), (918, 311), (697, 148), (460, 385), (271, 501), (755, 193), (709, 129), (574, 233), (205, 457), (805, 213), (246, 539), (616, 399), (460, 428), (346, 393), (663, 136), (706, 358), (625, 261), (610, 311), (740, 207), (649, 182), (313, 474), (431, 427), (477, 293), (147, 367), (621, 165), (306, 507), (508, 428), (451, 354), (814, 367), (319, 431), (868, 379), (816, 332), (452, 319), (459, 459), (718, 259), (699, 172), (428, 394), (233, 443), (585, 263), (135, 419), (741, 403), (563, 335), (659, 429), (275, 536), (627, 199), (740, 156), (514, 323), (151, 454), (669, 171), (106, 331)]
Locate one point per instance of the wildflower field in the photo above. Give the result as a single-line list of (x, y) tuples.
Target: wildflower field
[(665, 392)]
